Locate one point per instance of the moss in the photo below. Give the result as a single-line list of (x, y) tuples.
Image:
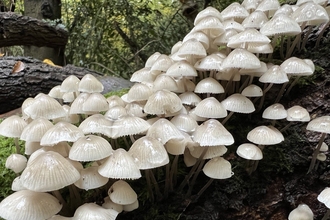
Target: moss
[(118, 93)]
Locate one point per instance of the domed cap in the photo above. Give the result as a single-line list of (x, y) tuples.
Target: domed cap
[(77, 104), (90, 148), (210, 62), (212, 133), (90, 84), (238, 103), (234, 11), (209, 85), (311, 13), (198, 35), (29, 205), (162, 63), (108, 204), (95, 102), (249, 151), (16, 162), (280, 24), (49, 171), (320, 124), (139, 92), (298, 113), (274, 74), (208, 11), (35, 130), (301, 212), (93, 211), (210, 108), (70, 84), (184, 123), (115, 112), (97, 124), (264, 135), (163, 130), (44, 106), (324, 197), (218, 168), (143, 75), (90, 179), (252, 91), (181, 68), (296, 66), (12, 126), (148, 153), (120, 165), (122, 193), (255, 20), (242, 59), (152, 59), (210, 25), (129, 125), (56, 93), (251, 35), (189, 98), (163, 102), (61, 131), (275, 112)]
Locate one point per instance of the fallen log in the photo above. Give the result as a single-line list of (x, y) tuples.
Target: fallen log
[(36, 77)]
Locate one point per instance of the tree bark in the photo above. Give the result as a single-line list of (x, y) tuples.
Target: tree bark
[(37, 77), (22, 30)]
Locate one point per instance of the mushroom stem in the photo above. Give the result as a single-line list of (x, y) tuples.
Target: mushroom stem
[(152, 197), (17, 145), (227, 118), (316, 151), (173, 172), (325, 26), (305, 39), (193, 181), (192, 170), (291, 86), (287, 126), (280, 94), (155, 183), (295, 42), (327, 215), (201, 191), (263, 97)]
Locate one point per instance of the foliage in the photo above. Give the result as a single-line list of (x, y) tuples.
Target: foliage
[(7, 147)]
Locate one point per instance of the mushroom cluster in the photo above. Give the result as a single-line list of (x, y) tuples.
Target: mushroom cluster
[(177, 109)]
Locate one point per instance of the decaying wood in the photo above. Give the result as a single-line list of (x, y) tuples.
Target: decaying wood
[(23, 30), (36, 77)]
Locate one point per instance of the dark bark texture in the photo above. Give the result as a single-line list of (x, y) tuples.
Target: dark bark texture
[(22, 30), (39, 77)]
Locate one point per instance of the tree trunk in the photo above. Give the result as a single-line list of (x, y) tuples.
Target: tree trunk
[(44, 9), (22, 30)]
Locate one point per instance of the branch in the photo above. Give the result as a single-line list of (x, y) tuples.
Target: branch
[(133, 46), (22, 30)]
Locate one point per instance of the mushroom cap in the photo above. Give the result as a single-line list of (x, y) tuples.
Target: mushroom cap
[(280, 24), (90, 84), (275, 111), (29, 205), (234, 11), (162, 63), (210, 108), (255, 20), (192, 47), (49, 171), (302, 212), (16, 162), (77, 104), (320, 124), (212, 133), (298, 113), (190, 98), (238, 103), (122, 193), (108, 204), (93, 211), (210, 25), (163, 102), (56, 92), (311, 13), (115, 112), (95, 102), (252, 91), (143, 76), (70, 84), (152, 59), (115, 100), (90, 148), (265, 135), (61, 131), (129, 125), (324, 197), (120, 165), (296, 66), (248, 36), (198, 35), (184, 123), (139, 92), (12, 126), (148, 153), (209, 85), (241, 59), (34, 131), (321, 157), (210, 62), (90, 179), (218, 168), (249, 151), (208, 11), (45, 106), (164, 130), (180, 69), (163, 81), (275, 74), (97, 124)]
